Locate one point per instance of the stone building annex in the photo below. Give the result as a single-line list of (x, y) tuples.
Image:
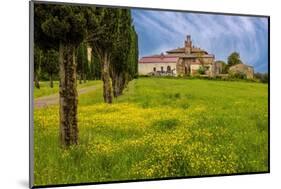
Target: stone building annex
[(181, 61)]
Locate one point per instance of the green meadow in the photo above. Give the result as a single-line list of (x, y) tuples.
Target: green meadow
[(158, 128)]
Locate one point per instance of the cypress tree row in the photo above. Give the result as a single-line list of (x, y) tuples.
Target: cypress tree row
[(63, 33), (104, 22)]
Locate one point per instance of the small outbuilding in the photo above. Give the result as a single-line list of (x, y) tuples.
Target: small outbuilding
[(242, 69)]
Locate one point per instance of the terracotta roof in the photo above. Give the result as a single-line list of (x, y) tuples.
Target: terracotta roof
[(177, 50), (193, 50), (159, 59), (196, 56)]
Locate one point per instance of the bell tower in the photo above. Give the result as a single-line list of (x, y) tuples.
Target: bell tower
[(187, 45)]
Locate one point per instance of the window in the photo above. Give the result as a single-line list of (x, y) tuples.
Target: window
[(185, 70), (162, 69), (154, 69)]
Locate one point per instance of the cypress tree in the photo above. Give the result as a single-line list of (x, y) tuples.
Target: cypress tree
[(50, 64), (104, 25), (120, 59), (63, 27)]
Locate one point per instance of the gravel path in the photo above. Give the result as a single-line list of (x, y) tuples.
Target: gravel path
[(54, 99)]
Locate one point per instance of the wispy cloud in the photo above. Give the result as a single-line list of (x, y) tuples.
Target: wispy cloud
[(160, 31)]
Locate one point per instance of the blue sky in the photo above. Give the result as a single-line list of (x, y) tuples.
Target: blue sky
[(159, 31)]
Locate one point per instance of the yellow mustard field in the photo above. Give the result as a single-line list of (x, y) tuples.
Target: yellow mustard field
[(159, 128)]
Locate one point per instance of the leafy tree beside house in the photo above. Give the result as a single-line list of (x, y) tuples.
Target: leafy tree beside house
[(233, 59)]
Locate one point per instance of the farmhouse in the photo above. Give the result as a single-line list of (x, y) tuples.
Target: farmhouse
[(188, 60)]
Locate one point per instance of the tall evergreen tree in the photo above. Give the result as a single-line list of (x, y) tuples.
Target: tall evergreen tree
[(136, 54), (63, 27), (50, 64), (120, 60), (104, 30)]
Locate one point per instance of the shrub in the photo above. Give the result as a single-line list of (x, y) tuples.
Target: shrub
[(262, 77), (239, 75), (201, 70), (177, 95)]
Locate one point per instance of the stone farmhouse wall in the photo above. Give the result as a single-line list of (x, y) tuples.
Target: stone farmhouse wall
[(146, 68)]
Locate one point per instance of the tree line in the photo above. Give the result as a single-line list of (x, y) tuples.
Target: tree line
[(232, 59), (62, 36), (46, 67)]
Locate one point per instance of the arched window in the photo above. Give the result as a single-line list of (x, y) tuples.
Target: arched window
[(168, 69)]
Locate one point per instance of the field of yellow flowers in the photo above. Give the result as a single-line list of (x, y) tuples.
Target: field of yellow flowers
[(159, 128)]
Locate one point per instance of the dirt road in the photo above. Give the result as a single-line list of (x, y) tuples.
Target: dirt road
[(54, 99)]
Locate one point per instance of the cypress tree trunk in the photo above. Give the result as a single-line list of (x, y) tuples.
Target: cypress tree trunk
[(122, 83), (80, 79), (84, 77), (68, 95), (36, 74), (107, 83), (118, 83), (51, 81), (36, 80), (115, 84)]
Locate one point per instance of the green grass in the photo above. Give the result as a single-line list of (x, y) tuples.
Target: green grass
[(46, 90), (158, 128)]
